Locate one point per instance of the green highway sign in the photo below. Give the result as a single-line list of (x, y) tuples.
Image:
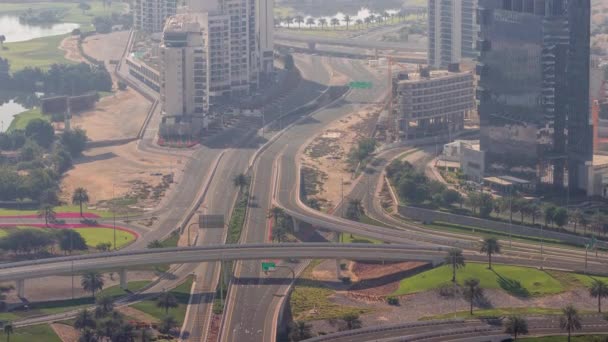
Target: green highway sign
[(268, 266), (361, 85)]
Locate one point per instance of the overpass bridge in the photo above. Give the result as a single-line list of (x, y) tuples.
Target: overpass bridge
[(20, 271), (312, 41)]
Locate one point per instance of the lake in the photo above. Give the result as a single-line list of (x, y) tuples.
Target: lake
[(15, 31), (7, 111)]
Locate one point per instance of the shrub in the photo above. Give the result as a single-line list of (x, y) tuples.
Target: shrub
[(392, 300)]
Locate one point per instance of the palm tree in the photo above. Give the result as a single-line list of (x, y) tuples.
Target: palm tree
[(167, 323), (241, 181), (456, 259), (92, 282), (323, 23), (490, 246), (577, 217), (166, 300), (347, 19), (335, 22), (368, 20), (104, 306), (84, 320), (472, 291), (516, 325), (276, 213), (155, 244), (549, 214), (300, 330), (359, 23), (352, 321), (310, 22), (570, 320), (288, 20), (79, 197), (385, 15), (299, 20), (534, 211), (8, 331), (598, 290), (372, 18), (47, 212)]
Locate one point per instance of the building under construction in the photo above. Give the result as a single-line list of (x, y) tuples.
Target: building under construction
[(432, 103)]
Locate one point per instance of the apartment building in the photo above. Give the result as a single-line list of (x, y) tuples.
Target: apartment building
[(183, 77), (431, 103), (452, 31), (150, 15)]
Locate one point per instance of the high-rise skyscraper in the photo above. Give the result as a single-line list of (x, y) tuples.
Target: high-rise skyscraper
[(452, 31), (150, 15), (533, 89)]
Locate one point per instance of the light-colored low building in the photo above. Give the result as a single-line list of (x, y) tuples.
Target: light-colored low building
[(468, 155), (597, 184), (432, 103)]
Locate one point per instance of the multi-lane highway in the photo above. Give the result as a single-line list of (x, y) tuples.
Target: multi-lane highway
[(252, 307)]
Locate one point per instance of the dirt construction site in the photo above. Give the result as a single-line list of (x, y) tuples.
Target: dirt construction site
[(118, 170)]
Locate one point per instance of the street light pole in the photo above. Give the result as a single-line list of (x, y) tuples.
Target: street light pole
[(114, 213)]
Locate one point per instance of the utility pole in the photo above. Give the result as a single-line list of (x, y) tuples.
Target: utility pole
[(114, 213), (342, 196)]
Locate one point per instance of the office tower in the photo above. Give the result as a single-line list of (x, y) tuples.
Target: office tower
[(533, 89), (150, 15), (452, 31)]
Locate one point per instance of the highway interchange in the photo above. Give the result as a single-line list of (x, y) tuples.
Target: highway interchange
[(206, 186)]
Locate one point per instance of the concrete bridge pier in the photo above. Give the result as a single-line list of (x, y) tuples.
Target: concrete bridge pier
[(312, 46), (123, 279), (338, 270), (296, 224), (21, 288)]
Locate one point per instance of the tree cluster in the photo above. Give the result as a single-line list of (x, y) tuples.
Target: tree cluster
[(415, 187), (104, 24), (34, 241), (61, 79)]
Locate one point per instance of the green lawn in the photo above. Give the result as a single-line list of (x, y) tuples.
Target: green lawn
[(60, 209), (350, 238), (587, 280), (21, 120), (94, 235), (520, 281), (59, 306), (41, 332), (181, 293), (39, 52), (73, 15), (500, 312), (309, 295)]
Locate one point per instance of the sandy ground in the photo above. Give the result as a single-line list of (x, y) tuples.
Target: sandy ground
[(116, 116), (66, 332), (328, 153), (115, 171), (106, 47), (60, 287), (70, 46)]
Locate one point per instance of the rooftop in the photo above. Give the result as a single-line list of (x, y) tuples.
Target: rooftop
[(434, 75)]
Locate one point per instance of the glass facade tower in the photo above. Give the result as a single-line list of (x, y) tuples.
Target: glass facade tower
[(533, 92)]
